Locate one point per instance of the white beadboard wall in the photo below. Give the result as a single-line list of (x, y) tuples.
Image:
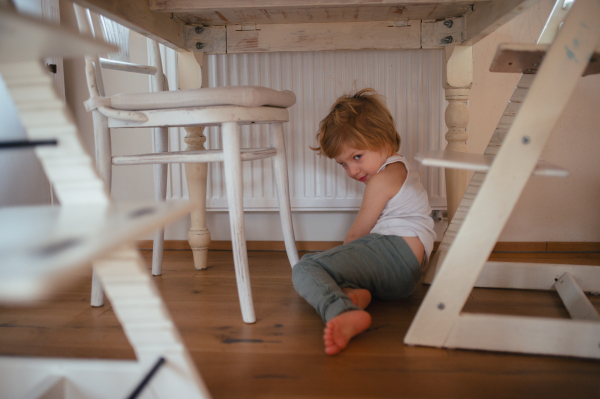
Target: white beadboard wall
[(410, 80)]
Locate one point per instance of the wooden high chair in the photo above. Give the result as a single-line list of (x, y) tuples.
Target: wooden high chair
[(41, 247), (509, 160), (194, 109)]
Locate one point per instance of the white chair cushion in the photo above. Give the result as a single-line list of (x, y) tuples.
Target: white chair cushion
[(245, 96)]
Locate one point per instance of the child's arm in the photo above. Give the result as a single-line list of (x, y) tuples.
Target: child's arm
[(380, 189)]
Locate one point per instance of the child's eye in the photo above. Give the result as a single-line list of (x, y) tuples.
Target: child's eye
[(357, 157)]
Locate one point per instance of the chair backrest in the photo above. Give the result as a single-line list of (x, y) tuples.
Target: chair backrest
[(94, 64)]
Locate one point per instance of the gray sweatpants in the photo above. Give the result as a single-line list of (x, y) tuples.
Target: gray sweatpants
[(384, 265)]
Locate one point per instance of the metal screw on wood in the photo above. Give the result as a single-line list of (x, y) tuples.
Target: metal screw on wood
[(526, 140), (199, 45), (447, 40), (448, 23), (199, 29)]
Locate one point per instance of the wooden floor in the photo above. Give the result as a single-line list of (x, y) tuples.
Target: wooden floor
[(281, 356)]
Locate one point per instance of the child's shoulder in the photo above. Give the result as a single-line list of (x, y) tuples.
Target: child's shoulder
[(394, 172), (390, 180)]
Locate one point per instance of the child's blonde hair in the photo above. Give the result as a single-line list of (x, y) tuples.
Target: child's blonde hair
[(361, 120)]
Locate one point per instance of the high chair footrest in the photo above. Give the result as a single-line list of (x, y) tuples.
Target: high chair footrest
[(41, 245), (479, 162)]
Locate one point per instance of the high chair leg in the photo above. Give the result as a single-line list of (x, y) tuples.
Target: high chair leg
[(97, 290)]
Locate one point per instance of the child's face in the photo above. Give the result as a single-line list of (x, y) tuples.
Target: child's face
[(361, 164)]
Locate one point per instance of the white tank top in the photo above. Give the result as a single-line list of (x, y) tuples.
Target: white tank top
[(407, 214)]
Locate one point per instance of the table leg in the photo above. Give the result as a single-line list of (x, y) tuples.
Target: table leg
[(198, 236), (458, 77)]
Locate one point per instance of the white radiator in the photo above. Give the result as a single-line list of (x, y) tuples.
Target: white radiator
[(410, 80)]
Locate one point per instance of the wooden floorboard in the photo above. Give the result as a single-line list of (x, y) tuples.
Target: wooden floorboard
[(281, 356)]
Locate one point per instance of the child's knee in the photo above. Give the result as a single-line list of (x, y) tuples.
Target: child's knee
[(297, 272), (301, 273)]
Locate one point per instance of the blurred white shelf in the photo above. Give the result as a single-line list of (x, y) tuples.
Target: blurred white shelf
[(26, 38), (39, 245), (479, 162)]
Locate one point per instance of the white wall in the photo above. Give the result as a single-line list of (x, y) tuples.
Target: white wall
[(549, 210), (22, 181)]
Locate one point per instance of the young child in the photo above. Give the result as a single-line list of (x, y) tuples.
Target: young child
[(392, 237)]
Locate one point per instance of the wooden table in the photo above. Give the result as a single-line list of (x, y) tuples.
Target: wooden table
[(240, 26)]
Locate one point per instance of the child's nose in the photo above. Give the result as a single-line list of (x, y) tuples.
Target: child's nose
[(353, 171)]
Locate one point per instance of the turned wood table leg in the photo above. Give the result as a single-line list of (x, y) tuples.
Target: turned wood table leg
[(458, 78), (198, 236), (192, 72), (457, 119), (457, 74)]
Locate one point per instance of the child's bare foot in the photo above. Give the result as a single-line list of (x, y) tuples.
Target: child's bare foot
[(359, 296), (340, 329)]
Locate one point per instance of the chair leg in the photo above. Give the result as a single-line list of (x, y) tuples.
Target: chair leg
[(161, 137), (198, 236), (104, 167), (234, 184), (103, 148), (283, 192)]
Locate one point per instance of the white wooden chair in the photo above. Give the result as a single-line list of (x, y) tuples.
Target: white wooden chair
[(227, 107), (101, 129)]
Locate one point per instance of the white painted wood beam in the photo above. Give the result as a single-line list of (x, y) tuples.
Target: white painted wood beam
[(324, 37), (536, 276), (577, 304), (210, 5), (487, 17), (537, 335)]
